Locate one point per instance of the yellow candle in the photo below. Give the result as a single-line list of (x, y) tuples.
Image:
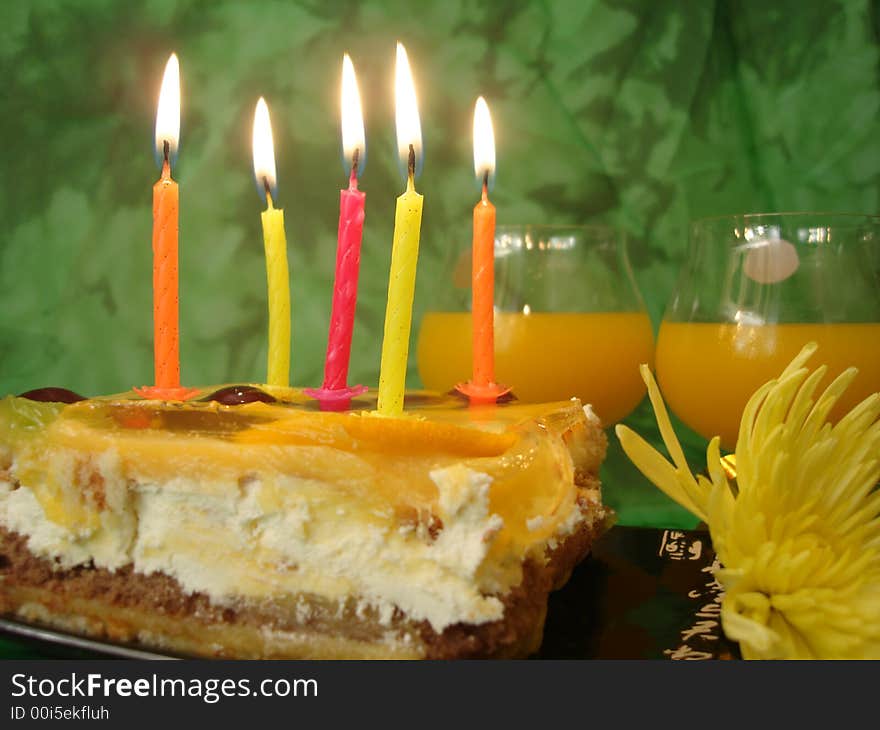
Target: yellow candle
[(275, 242), (401, 290), (404, 251), (278, 280)]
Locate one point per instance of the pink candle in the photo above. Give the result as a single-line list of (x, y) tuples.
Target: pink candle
[(348, 261), (335, 393)]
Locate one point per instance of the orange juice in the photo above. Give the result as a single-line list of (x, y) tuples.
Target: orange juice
[(707, 371), (547, 356)]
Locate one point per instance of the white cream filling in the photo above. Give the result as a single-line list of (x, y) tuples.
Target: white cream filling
[(265, 539), (591, 415)]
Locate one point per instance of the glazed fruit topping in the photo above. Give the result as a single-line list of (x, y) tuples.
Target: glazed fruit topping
[(52, 395), (236, 395)]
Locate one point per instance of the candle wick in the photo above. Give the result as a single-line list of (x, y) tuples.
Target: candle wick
[(166, 162), (268, 190), (486, 185), (355, 162), (411, 166)]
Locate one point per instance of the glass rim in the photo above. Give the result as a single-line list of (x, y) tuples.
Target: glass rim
[(788, 215), (588, 236), (562, 227)]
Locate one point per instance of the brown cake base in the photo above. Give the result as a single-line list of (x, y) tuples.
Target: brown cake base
[(154, 611)]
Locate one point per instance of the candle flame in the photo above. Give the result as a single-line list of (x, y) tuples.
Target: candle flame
[(168, 112), (409, 128), (264, 150), (353, 137), (484, 141)]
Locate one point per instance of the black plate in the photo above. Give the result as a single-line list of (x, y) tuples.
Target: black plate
[(642, 594)]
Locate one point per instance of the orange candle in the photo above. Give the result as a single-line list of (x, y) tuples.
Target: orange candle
[(482, 388), (166, 333), (483, 291)]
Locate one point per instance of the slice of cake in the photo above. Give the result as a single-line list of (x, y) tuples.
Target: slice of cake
[(271, 529)]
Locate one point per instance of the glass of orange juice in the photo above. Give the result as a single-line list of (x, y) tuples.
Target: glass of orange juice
[(754, 290), (569, 320)]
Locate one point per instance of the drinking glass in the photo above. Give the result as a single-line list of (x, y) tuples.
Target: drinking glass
[(754, 289), (569, 320)]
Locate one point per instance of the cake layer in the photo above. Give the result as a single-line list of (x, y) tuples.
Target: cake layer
[(427, 520), (155, 611)]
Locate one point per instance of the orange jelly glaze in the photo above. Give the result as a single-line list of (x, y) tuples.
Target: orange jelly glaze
[(363, 461)]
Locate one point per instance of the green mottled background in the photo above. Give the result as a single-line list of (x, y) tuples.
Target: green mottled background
[(643, 114)]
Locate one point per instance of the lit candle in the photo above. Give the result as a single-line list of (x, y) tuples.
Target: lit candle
[(166, 333), (482, 388), (275, 243), (404, 250), (335, 391)]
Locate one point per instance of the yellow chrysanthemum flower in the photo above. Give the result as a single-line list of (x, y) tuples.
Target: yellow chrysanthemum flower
[(798, 533)]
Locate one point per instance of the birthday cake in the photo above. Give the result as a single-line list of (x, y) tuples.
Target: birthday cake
[(248, 523)]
